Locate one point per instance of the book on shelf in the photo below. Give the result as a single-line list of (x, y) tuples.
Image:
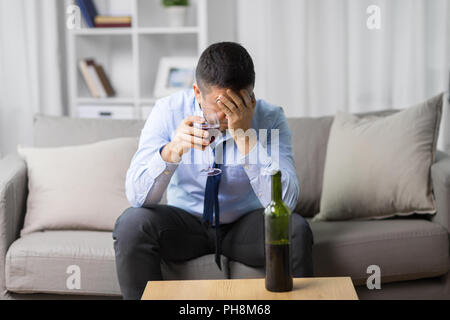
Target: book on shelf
[(113, 25), (94, 20), (96, 79), (89, 11), (112, 21), (105, 81), (84, 68)]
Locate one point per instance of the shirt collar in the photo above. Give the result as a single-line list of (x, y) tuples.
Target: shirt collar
[(196, 105)]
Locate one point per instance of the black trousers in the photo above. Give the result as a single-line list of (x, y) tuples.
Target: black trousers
[(144, 236)]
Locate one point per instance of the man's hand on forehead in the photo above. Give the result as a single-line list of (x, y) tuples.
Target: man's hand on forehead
[(238, 108), (242, 93)]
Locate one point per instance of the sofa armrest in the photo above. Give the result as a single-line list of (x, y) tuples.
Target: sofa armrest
[(13, 194), (440, 174)]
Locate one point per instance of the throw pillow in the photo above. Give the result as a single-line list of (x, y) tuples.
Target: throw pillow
[(77, 187), (380, 166)]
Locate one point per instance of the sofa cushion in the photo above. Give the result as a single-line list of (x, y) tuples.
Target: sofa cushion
[(38, 263), (404, 249), (52, 131)]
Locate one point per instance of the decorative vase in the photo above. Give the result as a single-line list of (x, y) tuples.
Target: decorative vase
[(176, 16)]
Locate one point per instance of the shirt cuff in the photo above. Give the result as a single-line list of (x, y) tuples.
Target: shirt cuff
[(158, 166), (258, 162)]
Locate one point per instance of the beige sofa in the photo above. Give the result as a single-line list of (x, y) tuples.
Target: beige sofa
[(413, 253)]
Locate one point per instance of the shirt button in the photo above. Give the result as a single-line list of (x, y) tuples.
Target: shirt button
[(166, 172), (246, 167), (259, 194)]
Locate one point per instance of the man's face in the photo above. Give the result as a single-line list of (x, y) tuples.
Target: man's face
[(208, 101)]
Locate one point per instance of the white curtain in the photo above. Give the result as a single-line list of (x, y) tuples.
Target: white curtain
[(31, 67), (315, 57)]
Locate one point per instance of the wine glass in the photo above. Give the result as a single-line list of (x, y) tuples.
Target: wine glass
[(211, 124)]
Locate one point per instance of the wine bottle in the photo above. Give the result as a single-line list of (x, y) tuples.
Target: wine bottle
[(277, 223)]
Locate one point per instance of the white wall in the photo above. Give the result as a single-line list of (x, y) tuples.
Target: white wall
[(315, 57), (222, 20), (31, 56)]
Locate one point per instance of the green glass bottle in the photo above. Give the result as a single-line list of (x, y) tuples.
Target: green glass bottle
[(277, 221)]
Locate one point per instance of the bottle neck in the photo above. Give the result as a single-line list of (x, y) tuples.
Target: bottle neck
[(276, 187)]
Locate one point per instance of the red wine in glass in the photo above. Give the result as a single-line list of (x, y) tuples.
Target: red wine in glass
[(207, 126), (212, 125)]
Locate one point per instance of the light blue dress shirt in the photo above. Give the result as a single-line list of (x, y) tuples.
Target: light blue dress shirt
[(245, 184)]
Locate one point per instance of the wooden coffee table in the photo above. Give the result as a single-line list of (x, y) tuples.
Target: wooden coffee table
[(250, 289)]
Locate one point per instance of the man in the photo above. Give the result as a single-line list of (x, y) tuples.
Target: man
[(149, 232)]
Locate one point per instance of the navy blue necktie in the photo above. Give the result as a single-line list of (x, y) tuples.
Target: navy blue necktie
[(211, 206)]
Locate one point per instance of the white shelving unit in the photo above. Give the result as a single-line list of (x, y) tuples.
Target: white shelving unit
[(130, 56)]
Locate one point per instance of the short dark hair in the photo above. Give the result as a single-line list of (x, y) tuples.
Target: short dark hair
[(225, 65)]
